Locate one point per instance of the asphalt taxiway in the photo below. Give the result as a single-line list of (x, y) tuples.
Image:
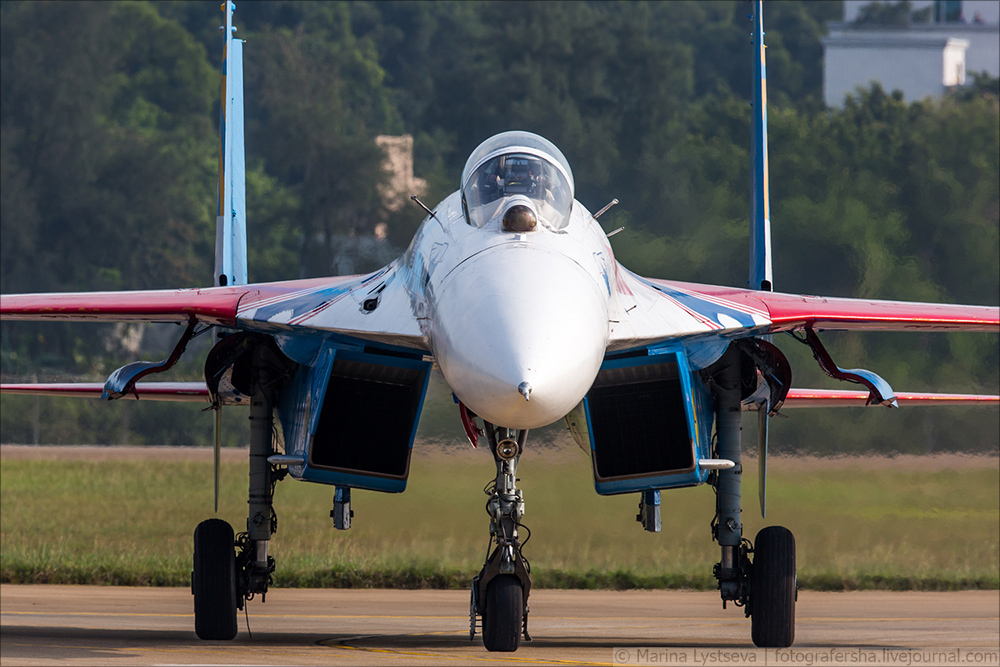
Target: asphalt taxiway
[(83, 625)]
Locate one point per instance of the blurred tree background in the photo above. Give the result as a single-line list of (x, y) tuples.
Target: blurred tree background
[(109, 121)]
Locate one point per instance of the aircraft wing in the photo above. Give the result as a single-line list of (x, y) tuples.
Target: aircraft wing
[(655, 310), (375, 307), (209, 305), (789, 312), (836, 398), (185, 392), (336, 305), (197, 392)]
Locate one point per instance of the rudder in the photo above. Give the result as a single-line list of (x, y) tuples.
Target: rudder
[(760, 213), (230, 222)]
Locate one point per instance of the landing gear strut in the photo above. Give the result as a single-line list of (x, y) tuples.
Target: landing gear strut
[(765, 587), (500, 590), (261, 522), (228, 569)]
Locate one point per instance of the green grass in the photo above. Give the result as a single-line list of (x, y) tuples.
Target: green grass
[(131, 522)]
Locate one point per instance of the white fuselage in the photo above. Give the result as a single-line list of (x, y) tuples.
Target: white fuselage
[(500, 309)]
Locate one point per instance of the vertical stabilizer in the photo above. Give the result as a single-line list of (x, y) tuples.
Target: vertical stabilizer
[(760, 219), (760, 213), (231, 219)]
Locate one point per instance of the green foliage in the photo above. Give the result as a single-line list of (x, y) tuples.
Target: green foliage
[(894, 14), (106, 134)]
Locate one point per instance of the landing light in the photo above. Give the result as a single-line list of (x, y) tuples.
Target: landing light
[(506, 449)]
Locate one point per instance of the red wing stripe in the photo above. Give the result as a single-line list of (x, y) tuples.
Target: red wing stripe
[(742, 307), (212, 305), (154, 391), (834, 398), (281, 297), (693, 313), (317, 310)]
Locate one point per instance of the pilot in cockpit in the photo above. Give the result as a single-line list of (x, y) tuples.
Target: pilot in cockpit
[(491, 184)]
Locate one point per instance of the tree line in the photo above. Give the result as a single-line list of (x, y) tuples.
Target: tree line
[(109, 120)]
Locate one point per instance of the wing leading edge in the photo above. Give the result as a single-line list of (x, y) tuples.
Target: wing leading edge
[(735, 312), (789, 312), (184, 392), (328, 305), (836, 398), (213, 305)]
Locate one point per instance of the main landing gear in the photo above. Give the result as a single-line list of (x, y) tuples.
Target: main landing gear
[(228, 569), (500, 590), (766, 587)]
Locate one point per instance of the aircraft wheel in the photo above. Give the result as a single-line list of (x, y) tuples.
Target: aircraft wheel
[(773, 588), (504, 615), (213, 581)]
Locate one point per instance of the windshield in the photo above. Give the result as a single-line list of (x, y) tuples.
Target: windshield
[(517, 165)]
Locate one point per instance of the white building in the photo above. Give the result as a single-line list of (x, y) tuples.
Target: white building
[(920, 59)]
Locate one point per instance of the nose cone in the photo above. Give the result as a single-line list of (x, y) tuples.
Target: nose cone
[(520, 334)]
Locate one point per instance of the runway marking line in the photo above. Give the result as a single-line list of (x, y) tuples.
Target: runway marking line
[(227, 649), (91, 613), (415, 654), (444, 656)]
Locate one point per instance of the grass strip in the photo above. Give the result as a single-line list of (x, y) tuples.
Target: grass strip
[(857, 528), (414, 578)]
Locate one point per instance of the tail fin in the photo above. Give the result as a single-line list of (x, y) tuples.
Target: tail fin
[(231, 218), (760, 221), (760, 210)]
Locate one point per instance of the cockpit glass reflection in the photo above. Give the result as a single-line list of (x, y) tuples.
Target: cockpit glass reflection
[(524, 176)]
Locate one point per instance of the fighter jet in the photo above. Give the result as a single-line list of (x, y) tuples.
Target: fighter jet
[(511, 288)]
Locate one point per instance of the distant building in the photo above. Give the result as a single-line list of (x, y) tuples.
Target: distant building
[(922, 49), (399, 164)]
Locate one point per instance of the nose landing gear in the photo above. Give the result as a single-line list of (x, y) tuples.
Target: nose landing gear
[(500, 590)]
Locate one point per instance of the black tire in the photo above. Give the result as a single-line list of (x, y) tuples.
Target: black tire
[(213, 581), (772, 588), (504, 614)]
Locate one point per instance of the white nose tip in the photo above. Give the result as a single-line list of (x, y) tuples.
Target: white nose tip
[(520, 342)]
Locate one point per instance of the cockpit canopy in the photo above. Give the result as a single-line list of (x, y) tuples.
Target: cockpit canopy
[(517, 169)]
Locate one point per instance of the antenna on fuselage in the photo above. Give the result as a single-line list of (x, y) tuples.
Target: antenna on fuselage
[(605, 209), (423, 206)]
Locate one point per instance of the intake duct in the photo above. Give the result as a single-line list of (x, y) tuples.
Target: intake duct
[(369, 417), (640, 424)]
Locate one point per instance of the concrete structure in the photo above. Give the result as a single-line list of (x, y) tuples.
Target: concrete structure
[(399, 163), (919, 59)]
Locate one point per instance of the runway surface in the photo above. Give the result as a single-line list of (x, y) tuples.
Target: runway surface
[(81, 625)]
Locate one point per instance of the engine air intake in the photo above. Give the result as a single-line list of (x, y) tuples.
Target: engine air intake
[(369, 417), (640, 424)]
